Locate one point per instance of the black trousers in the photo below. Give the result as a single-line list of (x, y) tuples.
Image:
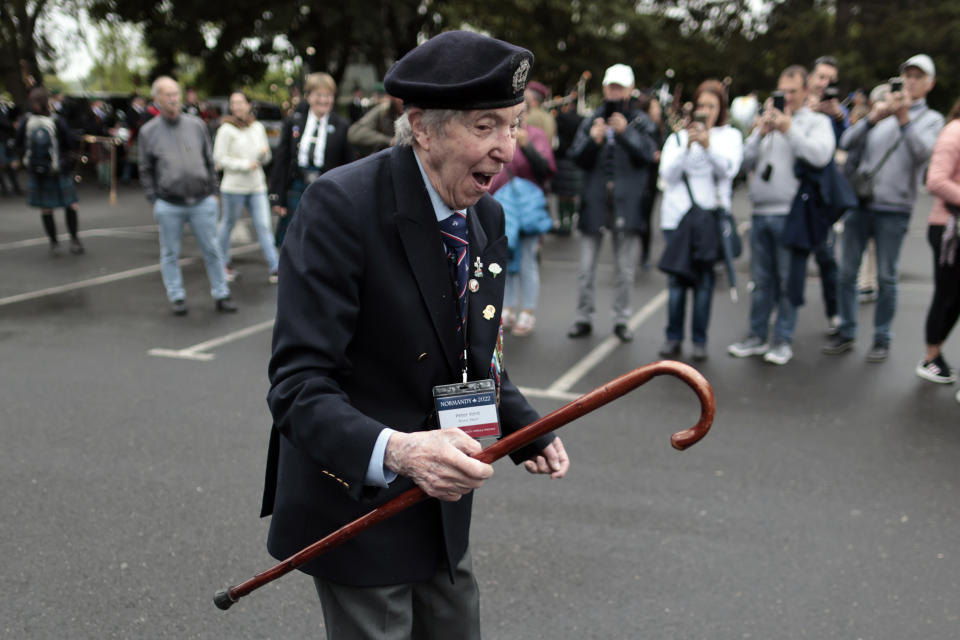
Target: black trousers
[(945, 307)]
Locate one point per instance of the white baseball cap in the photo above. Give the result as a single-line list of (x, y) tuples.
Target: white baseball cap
[(923, 62), (619, 74)]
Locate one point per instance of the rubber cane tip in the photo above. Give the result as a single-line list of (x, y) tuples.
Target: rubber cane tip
[(223, 600)]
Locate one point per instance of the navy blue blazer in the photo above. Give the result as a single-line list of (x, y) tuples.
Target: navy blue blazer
[(365, 328)]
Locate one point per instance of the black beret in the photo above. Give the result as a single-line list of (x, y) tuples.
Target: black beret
[(461, 70)]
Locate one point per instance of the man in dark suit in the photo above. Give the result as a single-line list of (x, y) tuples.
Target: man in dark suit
[(373, 315), (312, 141)]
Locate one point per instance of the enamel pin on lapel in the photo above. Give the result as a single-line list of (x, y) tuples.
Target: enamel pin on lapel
[(489, 311), (477, 268), (474, 285), (495, 269)]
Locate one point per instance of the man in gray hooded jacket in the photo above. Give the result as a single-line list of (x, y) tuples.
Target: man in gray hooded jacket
[(178, 175), (896, 140)]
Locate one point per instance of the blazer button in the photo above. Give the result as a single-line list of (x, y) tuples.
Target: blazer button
[(422, 357)]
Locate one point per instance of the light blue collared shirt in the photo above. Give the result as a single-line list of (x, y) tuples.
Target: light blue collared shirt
[(377, 474)]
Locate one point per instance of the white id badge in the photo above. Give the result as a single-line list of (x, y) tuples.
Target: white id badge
[(470, 406)]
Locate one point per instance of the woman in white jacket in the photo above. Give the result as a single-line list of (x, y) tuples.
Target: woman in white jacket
[(240, 150), (708, 151)]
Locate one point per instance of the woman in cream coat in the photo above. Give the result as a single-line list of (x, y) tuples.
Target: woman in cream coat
[(240, 151)]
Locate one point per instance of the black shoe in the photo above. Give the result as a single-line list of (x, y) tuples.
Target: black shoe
[(76, 247), (623, 332), (878, 352), (580, 329), (55, 249), (226, 305), (179, 307), (837, 345)]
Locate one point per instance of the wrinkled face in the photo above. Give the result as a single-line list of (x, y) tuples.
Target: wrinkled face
[(709, 106), (239, 106), (916, 83), (462, 159), (167, 97), (822, 76), (320, 101), (794, 93)]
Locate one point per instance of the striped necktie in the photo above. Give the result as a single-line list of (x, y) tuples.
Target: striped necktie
[(453, 229)]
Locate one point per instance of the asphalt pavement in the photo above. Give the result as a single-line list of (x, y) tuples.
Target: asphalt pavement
[(823, 504)]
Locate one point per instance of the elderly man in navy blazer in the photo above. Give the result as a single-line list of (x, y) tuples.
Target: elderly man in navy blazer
[(391, 287)]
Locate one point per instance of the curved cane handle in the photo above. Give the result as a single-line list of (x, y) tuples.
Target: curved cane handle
[(607, 393)]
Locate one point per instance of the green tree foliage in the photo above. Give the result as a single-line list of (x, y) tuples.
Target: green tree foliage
[(24, 45), (748, 41)]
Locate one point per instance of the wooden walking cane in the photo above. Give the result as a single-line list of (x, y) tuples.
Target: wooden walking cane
[(600, 396)]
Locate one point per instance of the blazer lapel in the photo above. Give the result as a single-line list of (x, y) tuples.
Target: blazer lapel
[(420, 236), (485, 304)]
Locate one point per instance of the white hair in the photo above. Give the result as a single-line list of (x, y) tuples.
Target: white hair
[(435, 120)]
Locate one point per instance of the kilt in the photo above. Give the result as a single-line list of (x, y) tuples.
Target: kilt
[(51, 191)]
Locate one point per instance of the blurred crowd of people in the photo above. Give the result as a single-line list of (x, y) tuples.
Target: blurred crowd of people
[(602, 171)]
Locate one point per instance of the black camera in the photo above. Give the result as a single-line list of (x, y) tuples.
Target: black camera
[(779, 102), (611, 107), (832, 92), (701, 118), (896, 84), (767, 172)]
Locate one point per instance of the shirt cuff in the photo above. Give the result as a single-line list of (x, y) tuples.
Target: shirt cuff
[(377, 474)]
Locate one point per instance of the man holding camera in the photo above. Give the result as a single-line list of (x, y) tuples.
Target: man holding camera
[(614, 153), (785, 132), (895, 142)]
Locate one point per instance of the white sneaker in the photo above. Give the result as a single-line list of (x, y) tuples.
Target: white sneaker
[(781, 353), (508, 318), (750, 346), (524, 324)]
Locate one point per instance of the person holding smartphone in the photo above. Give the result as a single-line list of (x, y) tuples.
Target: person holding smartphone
[(780, 137), (705, 155), (894, 143), (614, 152)]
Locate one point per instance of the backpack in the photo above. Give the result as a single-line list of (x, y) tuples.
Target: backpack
[(42, 151)]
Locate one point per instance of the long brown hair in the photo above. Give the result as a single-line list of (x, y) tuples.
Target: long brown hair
[(716, 88), (954, 112)]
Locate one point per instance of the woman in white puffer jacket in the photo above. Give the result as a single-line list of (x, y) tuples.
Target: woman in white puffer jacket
[(241, 150)]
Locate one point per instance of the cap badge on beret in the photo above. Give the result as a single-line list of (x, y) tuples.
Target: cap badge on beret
[(520, 75)]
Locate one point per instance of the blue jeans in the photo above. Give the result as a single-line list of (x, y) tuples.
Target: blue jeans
[(888, 230), (770, 270), (259, 208), (202, 217), (677, 303), (526, 283)]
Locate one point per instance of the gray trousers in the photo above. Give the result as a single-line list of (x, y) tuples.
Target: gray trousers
[(432, 610), (626, 252)]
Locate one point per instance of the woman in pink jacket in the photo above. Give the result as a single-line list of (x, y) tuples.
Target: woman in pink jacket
[(943, 233)]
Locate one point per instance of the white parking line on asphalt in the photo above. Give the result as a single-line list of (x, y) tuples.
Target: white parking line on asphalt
[(106, 232), (573, 375), (111, 277), (199, 351), (82, 284)]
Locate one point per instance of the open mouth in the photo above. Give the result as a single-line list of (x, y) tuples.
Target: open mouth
[(483, 179)]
